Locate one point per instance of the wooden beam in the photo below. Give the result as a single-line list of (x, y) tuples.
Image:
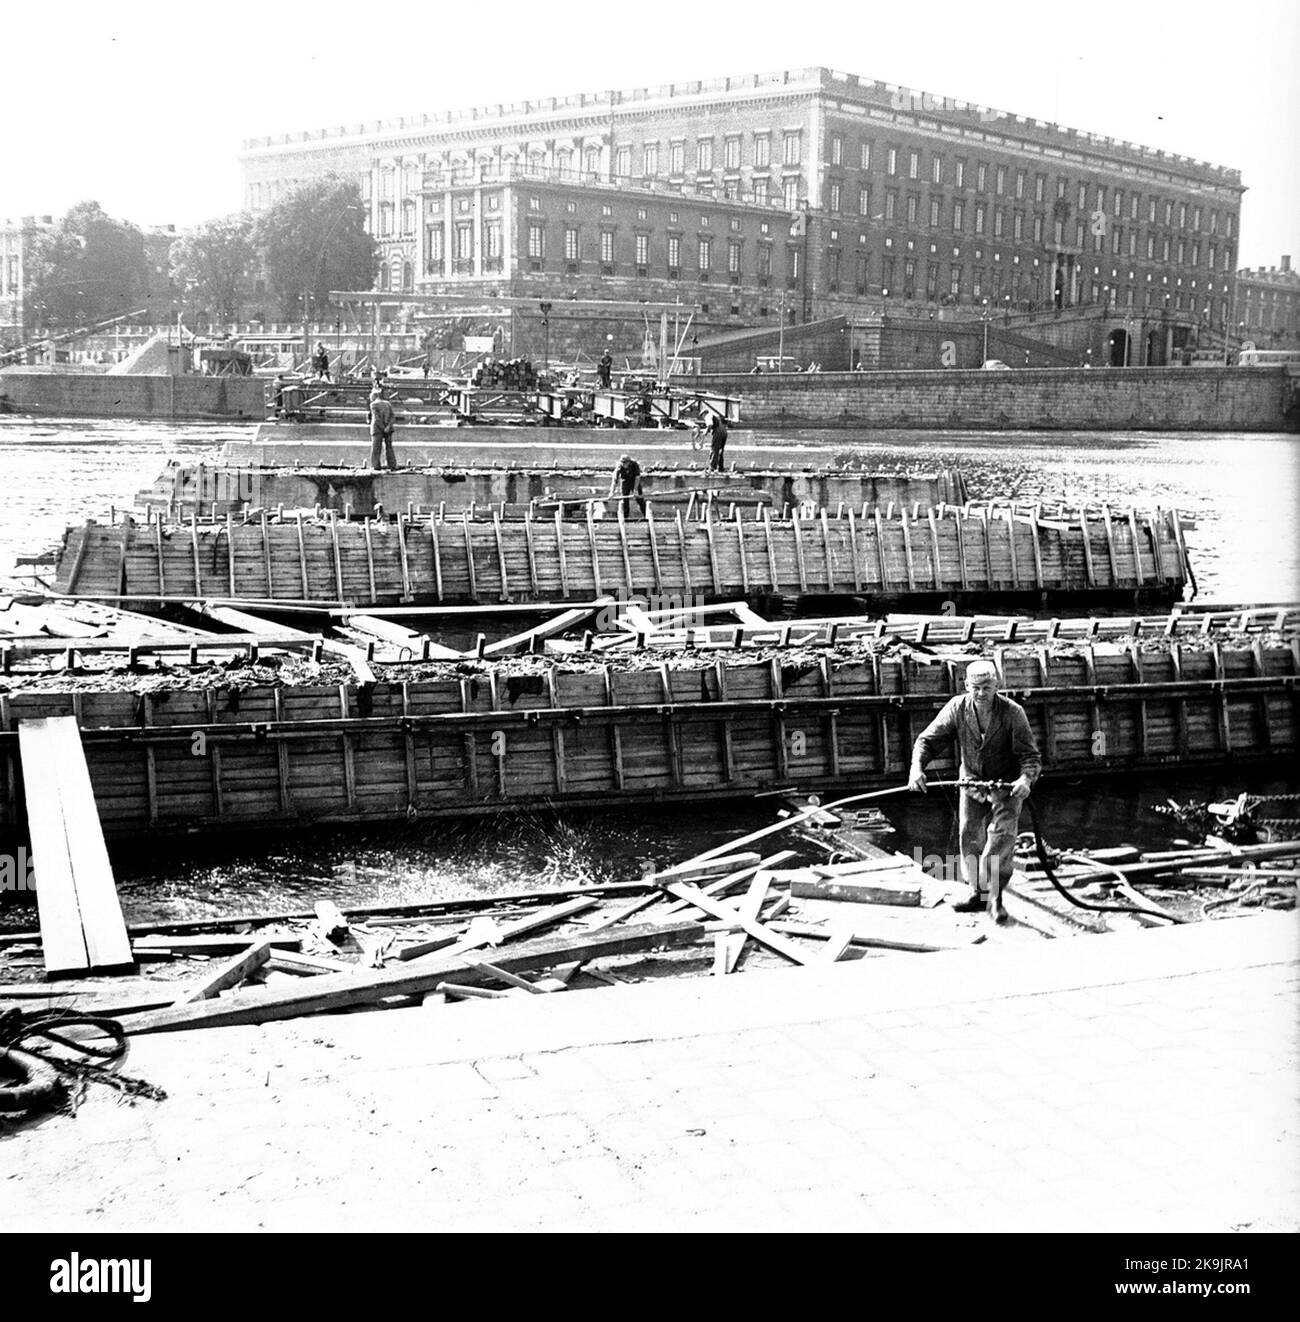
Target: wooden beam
[(773, 940), (337, 991), (229, 974)]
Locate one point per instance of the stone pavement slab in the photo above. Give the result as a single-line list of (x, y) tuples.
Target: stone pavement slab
[(1144, 1081)]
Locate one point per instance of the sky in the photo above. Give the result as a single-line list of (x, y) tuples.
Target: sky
[(144, 109)]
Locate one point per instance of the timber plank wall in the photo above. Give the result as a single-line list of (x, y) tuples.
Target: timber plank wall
[(1253, 399), (100, 395), (961, 555), (532, 733)]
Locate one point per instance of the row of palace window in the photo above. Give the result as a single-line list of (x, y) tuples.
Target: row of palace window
[(1007, 181)]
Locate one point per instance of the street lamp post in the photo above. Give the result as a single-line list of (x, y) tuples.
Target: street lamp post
[(546, 335), (985, 358)]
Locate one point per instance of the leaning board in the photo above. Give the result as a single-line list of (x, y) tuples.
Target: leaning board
[(80, 917)]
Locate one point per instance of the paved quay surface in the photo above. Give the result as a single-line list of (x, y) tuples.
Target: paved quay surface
[(1135, 1082)]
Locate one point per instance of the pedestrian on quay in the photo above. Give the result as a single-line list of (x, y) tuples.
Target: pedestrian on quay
[(604, 370), (382, 421), (627, 482), (717, 442), (994, 743)]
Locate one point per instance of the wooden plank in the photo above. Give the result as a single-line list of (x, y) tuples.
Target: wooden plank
[(798, 550), (437, 557), (556, 913), (713, 551), (336, 991), (1155, 521), (595, 554), (934, 551), (740, 545), (501, 556), (1139, 572), (229, 974), (854, 553), (907, 549), (687, 583), (654, 549), (1011, 547), (773, 940), (532, 555), (826, 551), (559, 552), (622, 541), (407, 594), (63, 821), (771, 550), (881, 561), (1085, 528), (1110, 546), (469, 556), (883, 887)]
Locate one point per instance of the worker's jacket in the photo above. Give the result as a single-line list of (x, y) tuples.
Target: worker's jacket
[(381, 417), (1006, 750)]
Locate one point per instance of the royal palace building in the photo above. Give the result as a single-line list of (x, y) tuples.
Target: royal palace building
[(809, 191), (1268, 306)]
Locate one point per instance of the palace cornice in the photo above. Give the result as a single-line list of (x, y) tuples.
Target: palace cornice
[(588, 119)]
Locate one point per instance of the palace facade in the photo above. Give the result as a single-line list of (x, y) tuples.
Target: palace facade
[(817, 191)]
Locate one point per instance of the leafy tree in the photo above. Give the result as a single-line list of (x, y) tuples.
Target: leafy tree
[(214, 262), (88, 268), (314, 240)]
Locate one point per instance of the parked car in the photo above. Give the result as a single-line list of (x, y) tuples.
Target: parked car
[(995, 365)]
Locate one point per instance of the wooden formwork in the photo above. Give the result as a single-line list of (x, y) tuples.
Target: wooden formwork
[(943, 551), (216, 490), (425, 740)]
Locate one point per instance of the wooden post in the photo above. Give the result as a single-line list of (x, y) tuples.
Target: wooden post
[(798, 550), (826, 550), (853, 552), (501, 555), (880, 552), (469, 556), (402, 554), (559, 551), (907, 548), (740, 544), (654, 550), (595, 556), (437, 555), (771, 552), (1110, 546), (370, 559)]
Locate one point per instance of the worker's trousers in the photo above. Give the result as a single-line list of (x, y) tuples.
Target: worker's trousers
[(987, 832), (381, 444)]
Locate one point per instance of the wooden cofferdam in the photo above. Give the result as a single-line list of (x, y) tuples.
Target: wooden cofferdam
[(207, 490), (207, 748), (1009, 555)]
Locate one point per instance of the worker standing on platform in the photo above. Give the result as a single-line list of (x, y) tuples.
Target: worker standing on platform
[(321, 362), (994, 743), (627, 482), (717, 443), (604, 370), (382, 421)]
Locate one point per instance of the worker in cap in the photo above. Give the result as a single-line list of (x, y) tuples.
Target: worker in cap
[(994, 743), (626, 481)]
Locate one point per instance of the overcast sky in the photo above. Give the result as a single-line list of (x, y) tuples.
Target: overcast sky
[(144, 109)]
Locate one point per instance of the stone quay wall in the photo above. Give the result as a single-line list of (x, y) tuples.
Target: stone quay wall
[(1036, 399), (165, 398)]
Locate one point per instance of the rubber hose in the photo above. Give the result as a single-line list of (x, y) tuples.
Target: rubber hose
[(38, 1083)]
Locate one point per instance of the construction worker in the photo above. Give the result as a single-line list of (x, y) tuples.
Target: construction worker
[(717, 442), (994, 743), (382, 420), (627, 480), (321, 362), (604, 370)]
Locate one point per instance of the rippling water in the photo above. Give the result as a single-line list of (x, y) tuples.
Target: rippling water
[(1241, 491)]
